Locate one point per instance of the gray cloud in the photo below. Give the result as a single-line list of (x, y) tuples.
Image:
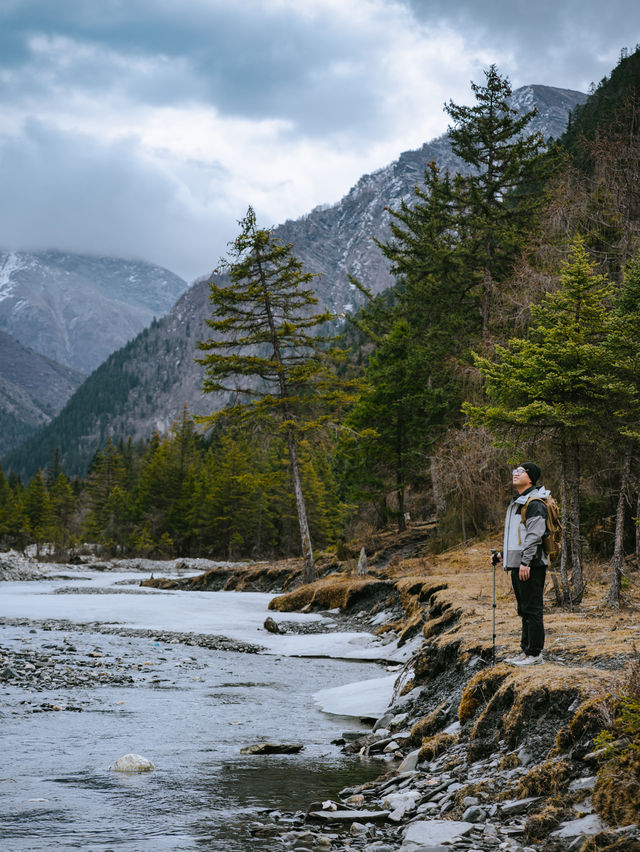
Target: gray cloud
[(566, 44), (145, 128), (244, 60), (85, 196)]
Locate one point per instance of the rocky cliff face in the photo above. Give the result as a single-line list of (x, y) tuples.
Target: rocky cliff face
[(336, 242), (77, 309), (33, 389)]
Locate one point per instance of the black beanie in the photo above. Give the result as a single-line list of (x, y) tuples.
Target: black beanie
[(533, 471)]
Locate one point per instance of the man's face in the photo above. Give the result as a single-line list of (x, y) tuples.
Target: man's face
[(521, 479)]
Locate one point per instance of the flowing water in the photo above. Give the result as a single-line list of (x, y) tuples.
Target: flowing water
[(189, 709)]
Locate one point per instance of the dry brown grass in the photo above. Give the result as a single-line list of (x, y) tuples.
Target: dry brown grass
[(480, 689), (608, 842), (434, 746), (538, 825), (523, 699), (547, 778), (588, 634), (428, 726), (336, 590)]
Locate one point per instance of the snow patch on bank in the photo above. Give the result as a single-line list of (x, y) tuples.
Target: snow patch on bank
[(364, 698)]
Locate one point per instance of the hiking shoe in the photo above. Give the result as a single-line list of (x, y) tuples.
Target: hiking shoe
[(517, 660), (530, 661)]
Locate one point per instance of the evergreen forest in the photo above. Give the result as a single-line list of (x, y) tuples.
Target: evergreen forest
[(512, 333)]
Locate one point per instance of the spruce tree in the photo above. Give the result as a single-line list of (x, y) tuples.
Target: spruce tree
[(560, 381), (5, 504), (624, 343), (38, 509), (498, 201), (63, 505), (412, 394), (266, 354)]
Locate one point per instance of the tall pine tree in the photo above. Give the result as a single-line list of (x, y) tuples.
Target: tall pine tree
[(267, 354), (498, 201), (562, 380)]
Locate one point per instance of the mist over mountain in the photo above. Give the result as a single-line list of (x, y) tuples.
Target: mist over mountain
[(154, 376), (77, 309)]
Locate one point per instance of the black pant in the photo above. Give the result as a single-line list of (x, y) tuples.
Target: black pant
[(529, 596)]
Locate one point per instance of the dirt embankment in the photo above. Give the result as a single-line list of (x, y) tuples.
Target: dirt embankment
[(520, 750)]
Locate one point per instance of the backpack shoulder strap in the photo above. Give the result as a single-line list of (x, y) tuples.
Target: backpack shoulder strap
[(523, 512)]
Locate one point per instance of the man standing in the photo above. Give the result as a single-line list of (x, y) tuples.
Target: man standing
[(524, 557)]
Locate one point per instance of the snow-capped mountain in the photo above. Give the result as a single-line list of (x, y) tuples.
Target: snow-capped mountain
[(77, 309)]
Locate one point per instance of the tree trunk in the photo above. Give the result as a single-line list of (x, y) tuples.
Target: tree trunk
[(564, 508), (613, 598), (638, 529), (400, 484), (485, 303), (463, 524), (362, 562), (574, 522), (436, 488), (402, 521), (305, 538)]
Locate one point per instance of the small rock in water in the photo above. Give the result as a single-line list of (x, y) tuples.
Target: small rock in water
[(132, 763), (273, 748), (271, 625)]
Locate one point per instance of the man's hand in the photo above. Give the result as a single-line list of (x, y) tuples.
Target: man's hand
[(496, 557), (524, 572)]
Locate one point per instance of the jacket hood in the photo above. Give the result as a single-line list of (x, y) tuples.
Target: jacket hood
[(536, 491)]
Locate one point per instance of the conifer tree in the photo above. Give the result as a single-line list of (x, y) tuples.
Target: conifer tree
[(395, 418), (106, 473), (561, 380), (63, 504), (38, 509), (266, 354), (411, 393), (5, 504), (166, 482), (624, 343), (230, 509), (498, 201)]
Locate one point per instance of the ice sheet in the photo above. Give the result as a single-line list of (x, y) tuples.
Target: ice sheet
[(236, 615), (362, 698)]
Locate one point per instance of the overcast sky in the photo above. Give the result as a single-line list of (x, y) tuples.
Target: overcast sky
[(144, 128)]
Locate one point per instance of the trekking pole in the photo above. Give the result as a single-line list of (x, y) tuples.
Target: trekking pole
[(494, 562)]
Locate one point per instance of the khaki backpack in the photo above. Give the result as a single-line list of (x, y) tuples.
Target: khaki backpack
[(552, 540)]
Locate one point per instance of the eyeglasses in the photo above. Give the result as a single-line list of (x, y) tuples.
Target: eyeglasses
[(517, 470)]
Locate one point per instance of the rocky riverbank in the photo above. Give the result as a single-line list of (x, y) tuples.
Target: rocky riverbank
[(485, 756)]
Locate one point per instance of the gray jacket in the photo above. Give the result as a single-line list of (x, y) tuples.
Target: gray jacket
[(523, 542)]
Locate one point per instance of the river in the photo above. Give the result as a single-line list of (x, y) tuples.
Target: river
[(188, 708)]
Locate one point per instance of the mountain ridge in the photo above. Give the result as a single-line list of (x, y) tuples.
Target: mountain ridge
[(336, 241), (75, 308), (33, 389)]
